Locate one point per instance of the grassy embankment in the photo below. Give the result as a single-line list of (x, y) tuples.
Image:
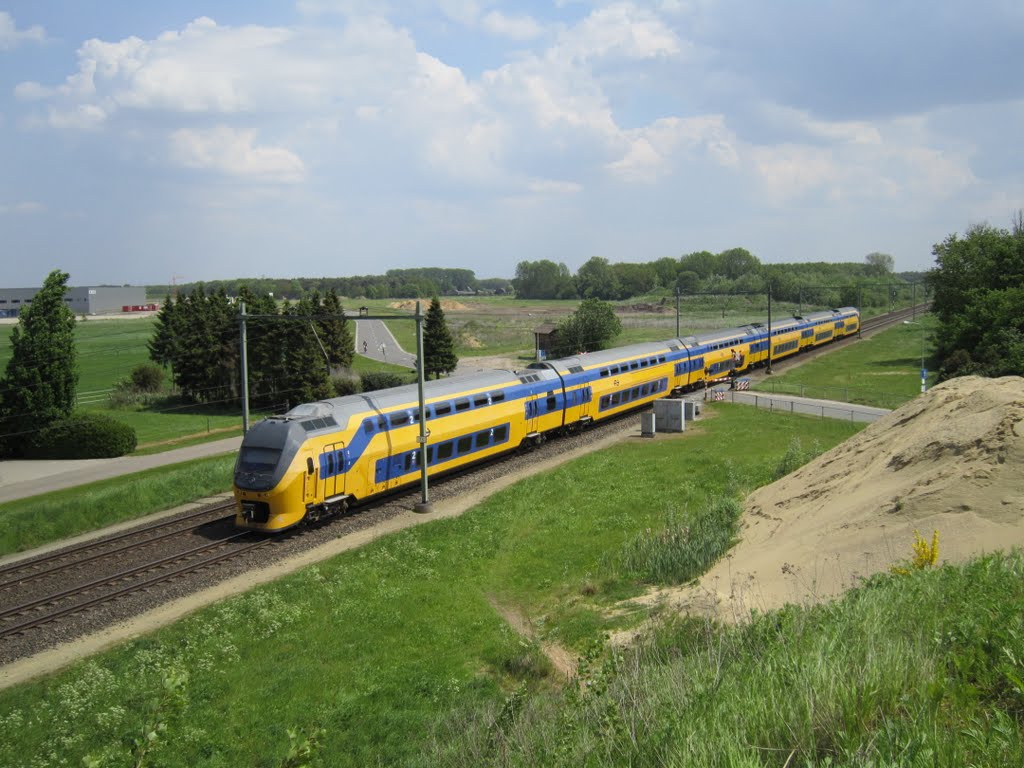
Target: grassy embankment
[(398, 653), (371, 651), (883, 370), (37, 520)]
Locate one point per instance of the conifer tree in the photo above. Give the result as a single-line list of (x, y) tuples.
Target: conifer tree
[(38, 387), (438, 347), (335, 332), (306, 369)]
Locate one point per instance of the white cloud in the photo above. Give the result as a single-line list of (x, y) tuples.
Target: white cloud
[(232, 152), (511, 27), (11, 36)]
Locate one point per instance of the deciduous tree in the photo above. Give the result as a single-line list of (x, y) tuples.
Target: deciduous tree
[(591, 327)]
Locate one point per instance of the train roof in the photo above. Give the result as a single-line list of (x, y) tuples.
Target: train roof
[(603, 356), (340, 409)]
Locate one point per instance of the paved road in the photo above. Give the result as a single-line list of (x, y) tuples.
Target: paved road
[(380, 344), (20, 479)]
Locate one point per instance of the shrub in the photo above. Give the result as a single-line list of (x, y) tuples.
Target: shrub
[(381, 380), (147, 377), (346, 383), (83, 436)]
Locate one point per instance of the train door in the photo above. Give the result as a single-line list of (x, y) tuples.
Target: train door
[(309, 481), (332, 470), (533, 408)]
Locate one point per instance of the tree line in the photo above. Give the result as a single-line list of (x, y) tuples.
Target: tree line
[(292, 348), (416, 283), (734, 271)]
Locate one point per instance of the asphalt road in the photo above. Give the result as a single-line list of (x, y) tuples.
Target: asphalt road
[(374, 340)]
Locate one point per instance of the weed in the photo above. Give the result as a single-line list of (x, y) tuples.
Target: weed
[(924, 555)]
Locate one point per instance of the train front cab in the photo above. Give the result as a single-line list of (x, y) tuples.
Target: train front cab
[(276, 472)]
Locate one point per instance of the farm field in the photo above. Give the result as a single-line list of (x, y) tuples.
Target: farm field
[(406, 634)]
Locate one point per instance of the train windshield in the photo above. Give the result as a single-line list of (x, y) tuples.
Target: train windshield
[(258, 459)]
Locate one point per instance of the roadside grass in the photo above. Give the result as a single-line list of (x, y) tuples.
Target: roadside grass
[(882, 371), (368, 657), (31, 522)]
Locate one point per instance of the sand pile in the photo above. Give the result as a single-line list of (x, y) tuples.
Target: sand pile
[(951, 460), (447, 305)]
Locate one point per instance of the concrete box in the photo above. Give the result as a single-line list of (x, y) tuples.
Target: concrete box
[(691, 409), (669, 415)]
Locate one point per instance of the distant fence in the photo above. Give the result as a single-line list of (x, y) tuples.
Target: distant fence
[(93, 397), (889, 400), (784, 404)]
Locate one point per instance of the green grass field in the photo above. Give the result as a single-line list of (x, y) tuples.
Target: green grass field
[(882, 371)]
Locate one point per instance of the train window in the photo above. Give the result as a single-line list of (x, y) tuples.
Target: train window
[(551, 404), (615, 398), (258, 459), (605, 401), (501, 433), (410, 460), (330, 464), (444, 451), (497, 397), (462, 404), (443, 409), (381, 423), (398, 419), (483, 439), (367, 426), (604, 371), (661, 359), (480, 401), (575, 369), (465, 444), (634, 365), (643, 363), (414, 415)]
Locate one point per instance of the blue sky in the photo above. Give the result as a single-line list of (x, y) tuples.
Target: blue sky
[(140, 142)]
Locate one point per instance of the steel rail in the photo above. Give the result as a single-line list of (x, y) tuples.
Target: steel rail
[(134, 587), (30, 564)]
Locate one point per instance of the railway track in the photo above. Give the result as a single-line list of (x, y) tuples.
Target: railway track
[(40, 590)]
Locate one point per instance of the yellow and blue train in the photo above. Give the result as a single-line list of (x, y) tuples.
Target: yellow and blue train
[(320, 457)]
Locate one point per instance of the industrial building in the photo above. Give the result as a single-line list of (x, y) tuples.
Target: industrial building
[(87, 300)]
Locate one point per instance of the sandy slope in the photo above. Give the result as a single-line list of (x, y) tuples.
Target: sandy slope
[(951, 460)]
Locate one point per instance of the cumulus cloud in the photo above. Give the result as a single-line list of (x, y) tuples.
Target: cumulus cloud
[(11, 36), (234, 153)]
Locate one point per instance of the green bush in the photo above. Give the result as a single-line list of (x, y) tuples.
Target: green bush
[(346, 383), (147, 377), (381, 380), (83, 436)]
